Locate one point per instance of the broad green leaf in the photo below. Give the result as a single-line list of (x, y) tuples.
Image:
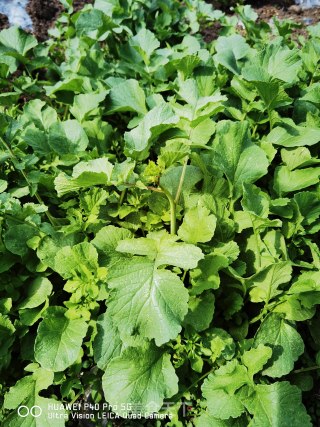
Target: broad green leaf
[(7, 338), (286, 181), (59, 340), (298, 307), (3, 185), (37, 294), (39, 114), (94, 24), (107, 239), (84, 105), (264, 286), (126, 96), (201, 133), (163, 249), (200, 311), (40, 380), (220, 389), (29, 316), (265, 403), (236, 156), (143, 377), (145, 43), (38, 140), (198, 225), (107, 344), (297, 157), (255, 201), (85, 174), (82, 257), (207, 420), (219, 343), (291, 135), (72, 84), (309, 206), (206, 275), (155, 122), (145, 301), (273, 94), (312, 94), (306, 282), (16, 39), (231, 52), (275, 61), (255, 359), (17, 236), (286, 343), (26, 393), (67, 137), (170, 180), (198, 108), (49, 246)]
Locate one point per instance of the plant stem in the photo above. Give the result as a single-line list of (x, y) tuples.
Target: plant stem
[(122, 196), (256, 237), (311, 368), (66, 112), (173, 213), (183, 174)]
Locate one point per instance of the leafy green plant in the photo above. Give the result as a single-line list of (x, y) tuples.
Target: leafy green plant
[(159, 205)]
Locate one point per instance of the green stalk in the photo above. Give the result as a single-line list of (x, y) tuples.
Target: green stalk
[(256, 237), (173, 213), (122, 196), (310, 368), (183, 174)]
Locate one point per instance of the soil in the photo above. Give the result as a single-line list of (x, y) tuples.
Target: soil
[(4, 23), (44, 13), (267, 10)]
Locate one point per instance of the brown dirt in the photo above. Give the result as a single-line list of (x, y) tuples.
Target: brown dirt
[(295, 13), (4, 23), (44, 13), (267, 10)]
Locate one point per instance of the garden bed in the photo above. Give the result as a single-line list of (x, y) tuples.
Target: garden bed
[(44, 13)]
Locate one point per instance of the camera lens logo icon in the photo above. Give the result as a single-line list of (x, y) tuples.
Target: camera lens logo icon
[(34, 411)]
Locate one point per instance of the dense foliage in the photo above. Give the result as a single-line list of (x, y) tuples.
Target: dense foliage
[(159, 209)]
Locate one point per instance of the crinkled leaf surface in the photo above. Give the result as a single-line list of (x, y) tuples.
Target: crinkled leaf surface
[(127, 96), (236, 156), (38, 292), (85, 174), (59, 340), (220, 388), (67, 137), (286, 343), (198, 225), (273, 404), (18, 40), (146, 301), (264, 285), (163, 249), (26, 393), (107, 344), (143, 377), (156, 121)]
